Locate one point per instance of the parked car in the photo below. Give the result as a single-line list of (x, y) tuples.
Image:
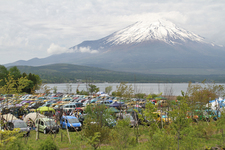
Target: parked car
[(70, 122), (71, 106), (18, 124), (10, 125), (163, 116), (46, 125)]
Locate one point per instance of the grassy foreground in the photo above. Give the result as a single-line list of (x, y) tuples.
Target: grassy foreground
[(211, 138)]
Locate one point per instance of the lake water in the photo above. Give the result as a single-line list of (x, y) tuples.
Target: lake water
[(147, 88)]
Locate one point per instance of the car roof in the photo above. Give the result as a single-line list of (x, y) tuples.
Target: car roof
[(46, 119), (13, 121), (68, 117)]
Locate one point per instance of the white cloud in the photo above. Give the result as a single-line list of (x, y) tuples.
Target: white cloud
[(56, 49), (85, 50)]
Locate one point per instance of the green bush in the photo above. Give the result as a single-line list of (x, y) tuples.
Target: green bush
[(48, 144)]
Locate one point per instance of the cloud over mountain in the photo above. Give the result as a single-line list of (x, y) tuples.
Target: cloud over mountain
[(56, 49)]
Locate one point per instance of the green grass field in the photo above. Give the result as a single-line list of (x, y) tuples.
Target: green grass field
[(210, 138)]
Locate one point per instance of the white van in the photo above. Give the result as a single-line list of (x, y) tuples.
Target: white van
[(69, 107)]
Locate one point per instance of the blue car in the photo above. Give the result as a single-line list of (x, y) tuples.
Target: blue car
[(70, 122)]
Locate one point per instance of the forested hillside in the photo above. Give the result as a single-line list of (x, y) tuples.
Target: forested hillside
[(64, 73)]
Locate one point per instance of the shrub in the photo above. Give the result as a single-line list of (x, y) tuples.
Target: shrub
[(48, 144)]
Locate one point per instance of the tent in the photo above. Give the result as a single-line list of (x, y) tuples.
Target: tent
[(102, 95), (132, 109), (9, 117), (100, 92), (33, 116), (113, 110), (116, 105)]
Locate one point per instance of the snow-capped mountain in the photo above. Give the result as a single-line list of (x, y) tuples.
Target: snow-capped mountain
[(147, 47), (161, 30)]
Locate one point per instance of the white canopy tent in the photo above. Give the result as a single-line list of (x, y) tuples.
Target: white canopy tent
[(33, 116)]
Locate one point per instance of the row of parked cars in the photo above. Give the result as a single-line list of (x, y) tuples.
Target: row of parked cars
[(40, 123)]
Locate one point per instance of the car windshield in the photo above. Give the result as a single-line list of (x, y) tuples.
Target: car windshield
[(20, 125), (50, 123), (73, 120)]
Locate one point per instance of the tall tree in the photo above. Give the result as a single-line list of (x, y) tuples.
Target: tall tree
[(3, 75), (15, 72)]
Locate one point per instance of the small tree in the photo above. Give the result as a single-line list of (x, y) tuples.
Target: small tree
[(93, 88), (124, 90), (48, 144), (108, 89), (221, 125), (150, 118), (94, 141), (55, 89), (122, 132), (179, 119), (45, 89), (68, 88), (95, 122)]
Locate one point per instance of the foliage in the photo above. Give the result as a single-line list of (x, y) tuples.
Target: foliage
[(94, 140), (162, 140), (21, 83), (122, 137), (68, 88), (150, 118), (203, 93), (179, 97), (68, 73), (98, 114), (34, 84), (152, 96), (15, 72), (140, 95), (8, 137), (3, 74), (113, 93), (180, 121), (54, 89), (48, 144), (108, 89), (96, 133), (83, 92), (221, 124), (123, 90), (93, 88), (95, 125), (13, 86), (45, 89), (190, 138)]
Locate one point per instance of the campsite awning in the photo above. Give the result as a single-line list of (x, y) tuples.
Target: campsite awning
[(9, 117), (113, 110), (33, 116)]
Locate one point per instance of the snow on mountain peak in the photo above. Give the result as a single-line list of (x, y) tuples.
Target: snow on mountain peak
[(162, 30)]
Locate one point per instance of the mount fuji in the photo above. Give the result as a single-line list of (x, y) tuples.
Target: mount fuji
[(146, 47)]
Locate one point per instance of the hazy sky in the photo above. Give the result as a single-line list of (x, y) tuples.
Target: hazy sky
[(40, 28)]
